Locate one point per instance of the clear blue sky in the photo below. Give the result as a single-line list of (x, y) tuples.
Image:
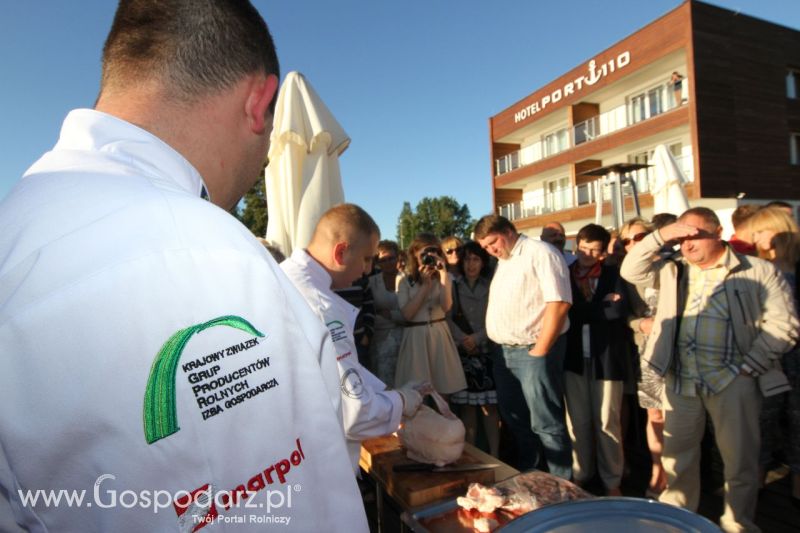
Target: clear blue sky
[(413, 83)]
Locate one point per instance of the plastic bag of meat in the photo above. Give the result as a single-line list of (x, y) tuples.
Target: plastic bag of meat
[(521, 494), (431, 437)]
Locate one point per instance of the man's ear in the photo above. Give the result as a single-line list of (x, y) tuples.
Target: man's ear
[(339, 250), (262, 91)]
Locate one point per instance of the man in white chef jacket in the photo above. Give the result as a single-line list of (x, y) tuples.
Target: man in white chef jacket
[(160, 373), (344, 243)]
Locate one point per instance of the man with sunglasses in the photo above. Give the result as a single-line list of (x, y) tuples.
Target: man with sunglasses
[(554, 233), (722, 322)]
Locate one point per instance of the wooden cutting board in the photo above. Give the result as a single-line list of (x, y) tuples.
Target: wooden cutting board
[(412, 489)]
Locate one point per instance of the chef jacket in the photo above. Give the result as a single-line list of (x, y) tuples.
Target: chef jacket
[(368, 409), (155, 359)]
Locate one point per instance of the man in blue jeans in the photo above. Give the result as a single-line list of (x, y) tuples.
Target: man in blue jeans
[(529, 299)]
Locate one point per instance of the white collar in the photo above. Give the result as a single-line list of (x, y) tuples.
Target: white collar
[(322, 281), (319, 276), (91, 130)]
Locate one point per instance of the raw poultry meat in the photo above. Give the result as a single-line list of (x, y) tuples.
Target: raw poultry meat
[(430, 437), (520, 494), (483, 499)]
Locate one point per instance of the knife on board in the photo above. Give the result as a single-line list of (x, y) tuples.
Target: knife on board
[(425, 467)]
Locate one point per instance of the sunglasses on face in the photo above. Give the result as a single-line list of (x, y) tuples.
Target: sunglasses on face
[(636, 238), (451, 251), (387, 258)]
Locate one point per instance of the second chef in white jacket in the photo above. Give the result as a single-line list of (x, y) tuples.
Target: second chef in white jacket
[(341, 251)]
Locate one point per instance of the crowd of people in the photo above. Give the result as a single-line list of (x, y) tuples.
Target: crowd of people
[(555, 344), (154, 348)]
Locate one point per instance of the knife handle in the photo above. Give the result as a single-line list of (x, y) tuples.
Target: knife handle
[(413, 467)]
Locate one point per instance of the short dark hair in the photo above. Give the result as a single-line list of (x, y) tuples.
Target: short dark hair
[(708, 215), (492, 224), (194, 47), (473, 248), (663, 219), (593, 233), (388, 246), (742, 213), (345, 223)]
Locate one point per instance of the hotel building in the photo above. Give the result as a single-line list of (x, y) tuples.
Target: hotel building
[(732, 122)]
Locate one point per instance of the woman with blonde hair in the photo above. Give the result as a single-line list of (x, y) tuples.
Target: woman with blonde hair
[(777, 239), (775, 235), (452, 247), (650, 385), (427, 350)]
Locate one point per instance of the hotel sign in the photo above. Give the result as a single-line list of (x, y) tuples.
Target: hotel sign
[(593, 75)]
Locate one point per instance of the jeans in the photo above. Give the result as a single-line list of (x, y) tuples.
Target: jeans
[(515, 414), (542, 381)]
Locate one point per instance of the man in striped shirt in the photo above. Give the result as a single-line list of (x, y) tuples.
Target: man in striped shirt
[(529, 298)]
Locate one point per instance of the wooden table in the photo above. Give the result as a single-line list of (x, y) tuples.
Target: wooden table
[(414, 489)]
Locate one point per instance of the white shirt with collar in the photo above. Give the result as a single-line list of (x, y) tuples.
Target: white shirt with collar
[(534, 274), (368, 409), (151, 344)]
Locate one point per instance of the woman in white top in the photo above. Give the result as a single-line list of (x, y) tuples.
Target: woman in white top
[(427, 351)]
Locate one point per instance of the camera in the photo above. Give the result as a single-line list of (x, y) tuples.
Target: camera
[(429, 260), (430, 256)]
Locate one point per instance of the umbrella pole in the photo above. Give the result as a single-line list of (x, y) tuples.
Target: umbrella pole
[(632, 183)]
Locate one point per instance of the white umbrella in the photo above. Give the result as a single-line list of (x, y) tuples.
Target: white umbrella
[(303, 179), (668, 181)]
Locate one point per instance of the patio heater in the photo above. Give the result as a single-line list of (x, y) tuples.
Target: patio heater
[(615, 177)]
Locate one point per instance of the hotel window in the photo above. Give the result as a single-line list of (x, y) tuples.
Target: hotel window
[(558, 194), (794, 149), (555, 142), (638, 108), (793, 83), (649, 103), (656, 99)]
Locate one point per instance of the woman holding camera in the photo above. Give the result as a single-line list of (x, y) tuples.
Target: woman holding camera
[(427, 351)]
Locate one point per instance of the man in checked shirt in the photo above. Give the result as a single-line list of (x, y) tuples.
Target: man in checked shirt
[(722, 323)]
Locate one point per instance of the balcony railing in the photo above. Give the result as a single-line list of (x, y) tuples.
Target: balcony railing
[(543, 202), (640, 107)]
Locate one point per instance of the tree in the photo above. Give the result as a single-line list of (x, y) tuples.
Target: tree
[(254, 213), (442, 216), (406, 228)]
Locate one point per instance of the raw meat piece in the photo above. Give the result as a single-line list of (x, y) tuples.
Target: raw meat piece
[(521, 494), (483, 499), (430, 437), (484, 524)]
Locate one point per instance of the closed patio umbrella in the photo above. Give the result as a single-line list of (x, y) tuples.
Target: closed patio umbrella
[(302, 177), (668, 181)]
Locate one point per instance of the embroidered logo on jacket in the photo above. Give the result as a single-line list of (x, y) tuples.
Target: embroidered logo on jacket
[(337, 329), (160, 411), (352, 384)]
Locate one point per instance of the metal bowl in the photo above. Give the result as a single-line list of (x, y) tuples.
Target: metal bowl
[(611, 515)]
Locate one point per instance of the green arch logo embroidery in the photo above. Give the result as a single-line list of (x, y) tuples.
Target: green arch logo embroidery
[(160, 410), (337, 329)]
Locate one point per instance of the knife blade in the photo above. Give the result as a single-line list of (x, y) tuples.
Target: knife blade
[(424, 467)]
